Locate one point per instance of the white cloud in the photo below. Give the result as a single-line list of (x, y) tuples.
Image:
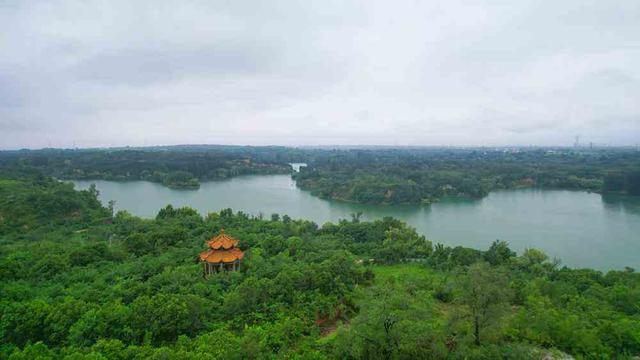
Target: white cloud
[(490, 72)]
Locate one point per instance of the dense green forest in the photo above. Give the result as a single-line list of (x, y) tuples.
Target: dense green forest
[(180, 167), (424, 175), (78, 281)]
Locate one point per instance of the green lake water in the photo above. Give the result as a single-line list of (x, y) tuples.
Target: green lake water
[(582, 229)]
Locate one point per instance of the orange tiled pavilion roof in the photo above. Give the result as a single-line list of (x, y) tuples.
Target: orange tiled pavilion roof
[(225, 256), (222, 248), (223, 241)]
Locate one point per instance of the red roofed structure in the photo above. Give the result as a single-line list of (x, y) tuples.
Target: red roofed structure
[(223, 254)]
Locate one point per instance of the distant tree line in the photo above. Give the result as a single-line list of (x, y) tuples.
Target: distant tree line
[(176, 167), (411, 176), (369, 175)]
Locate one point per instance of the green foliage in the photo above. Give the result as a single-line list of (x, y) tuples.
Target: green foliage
[(180, 180), (402, 244), (484, 292), (626, 181), (394, 322), (180, 167), (499, 253), (79, 282), (34, 201), (423, 176)]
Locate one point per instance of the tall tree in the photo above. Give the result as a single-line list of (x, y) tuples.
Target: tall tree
[(485, 294)]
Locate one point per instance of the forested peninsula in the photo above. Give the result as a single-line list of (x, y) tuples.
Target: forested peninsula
[(79, 281), (427, 175)]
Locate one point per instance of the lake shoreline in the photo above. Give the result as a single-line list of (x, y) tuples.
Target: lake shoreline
[(583, 229)]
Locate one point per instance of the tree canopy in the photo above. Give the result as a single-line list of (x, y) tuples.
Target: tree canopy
[(80, 282)]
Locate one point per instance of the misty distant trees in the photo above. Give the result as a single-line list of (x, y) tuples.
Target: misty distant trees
[(623, 182), (415, 176)]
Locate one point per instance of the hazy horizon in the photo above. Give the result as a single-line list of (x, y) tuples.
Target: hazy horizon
[(581, 146), (331, 73)]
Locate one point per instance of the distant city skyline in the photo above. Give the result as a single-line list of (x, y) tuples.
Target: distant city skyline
[(487, 73)]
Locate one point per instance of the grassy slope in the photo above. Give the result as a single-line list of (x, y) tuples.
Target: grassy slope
[(415, 277), (419, 280)]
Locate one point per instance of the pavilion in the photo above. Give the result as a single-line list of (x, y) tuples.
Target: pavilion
[(223, 254)]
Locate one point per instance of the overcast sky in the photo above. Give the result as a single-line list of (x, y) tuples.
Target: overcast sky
[(495, 72)]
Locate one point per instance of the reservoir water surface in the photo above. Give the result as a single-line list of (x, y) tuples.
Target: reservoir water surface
[(581, 229)]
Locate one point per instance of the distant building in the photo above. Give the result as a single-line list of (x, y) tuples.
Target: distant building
[(223, 254)]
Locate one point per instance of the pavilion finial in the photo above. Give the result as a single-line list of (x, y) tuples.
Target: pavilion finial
[(221, 230)]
